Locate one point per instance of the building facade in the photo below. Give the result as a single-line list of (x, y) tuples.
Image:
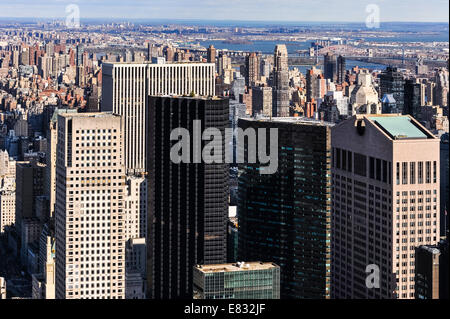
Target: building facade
[(187, 202), (254, 280), (385, 204), (126, 86), (285, 217), (89, 211), (281, 97)]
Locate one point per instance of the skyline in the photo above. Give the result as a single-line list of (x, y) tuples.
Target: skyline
[(345, 11)]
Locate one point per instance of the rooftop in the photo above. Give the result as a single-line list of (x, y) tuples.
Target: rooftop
[(243, 266), (399, 127), (144, 63), (89, 114), (293, 120)]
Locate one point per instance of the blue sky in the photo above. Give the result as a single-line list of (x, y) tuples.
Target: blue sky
[(265, 10)]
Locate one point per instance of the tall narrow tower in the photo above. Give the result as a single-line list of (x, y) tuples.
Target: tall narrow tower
[(89, 211), (280, 82)]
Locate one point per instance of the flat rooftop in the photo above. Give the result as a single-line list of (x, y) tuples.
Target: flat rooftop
[(244, 266), (292, 119), (399, 127), (144, 63), (89, 114)]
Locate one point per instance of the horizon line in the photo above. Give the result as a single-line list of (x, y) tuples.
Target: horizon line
[(219, 20)]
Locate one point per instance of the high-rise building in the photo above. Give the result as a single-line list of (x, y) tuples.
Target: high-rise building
[(364, 99), (312, 83), (392, 82), (89, 211), (187, 202), (50, 156), (253, 280), (78, 55), (126, 87), (431, 271), (385, 203), (285, 217), (29, 185), (43, 284), (7, 209), (211, 58), (280, 95), (149, 54), (412, 95), (252, 68), (262, 100), (341, 69), (441, 89), (329, 67)]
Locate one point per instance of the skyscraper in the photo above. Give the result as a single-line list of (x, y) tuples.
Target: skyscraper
[(50, 158), (187, 202), (89, 215), (441, 89), (341, 69), (280, 82), (126, 86), (385, 203), (392, 82), (262, 100), (211, 54), (252, 69), (285, 217), (412, 98), (431, 271), (329, 67)]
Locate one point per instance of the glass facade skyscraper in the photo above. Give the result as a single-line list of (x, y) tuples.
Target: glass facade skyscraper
[(392, 82), (187, 202), (285, 217)]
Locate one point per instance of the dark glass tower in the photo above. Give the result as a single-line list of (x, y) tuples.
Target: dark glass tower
[(329, 66), (412, 99), (285, 217), (341, 70), (392, 82), (187, 202)]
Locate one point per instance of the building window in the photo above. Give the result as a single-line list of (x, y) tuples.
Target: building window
[(420, 172), (404, 173), (412, 173), (384, 171), (428, 172), (360, 164), (434, 172), (338, 158), (349, 161), (378, 169), (371, 167), (398, 174)]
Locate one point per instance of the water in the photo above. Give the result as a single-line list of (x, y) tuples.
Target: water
[(349, 65), (265, 47)]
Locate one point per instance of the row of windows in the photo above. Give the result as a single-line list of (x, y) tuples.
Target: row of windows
[(416, 172), (378, 169)]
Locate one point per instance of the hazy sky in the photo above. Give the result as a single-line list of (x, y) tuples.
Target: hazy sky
[(267, 10)]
